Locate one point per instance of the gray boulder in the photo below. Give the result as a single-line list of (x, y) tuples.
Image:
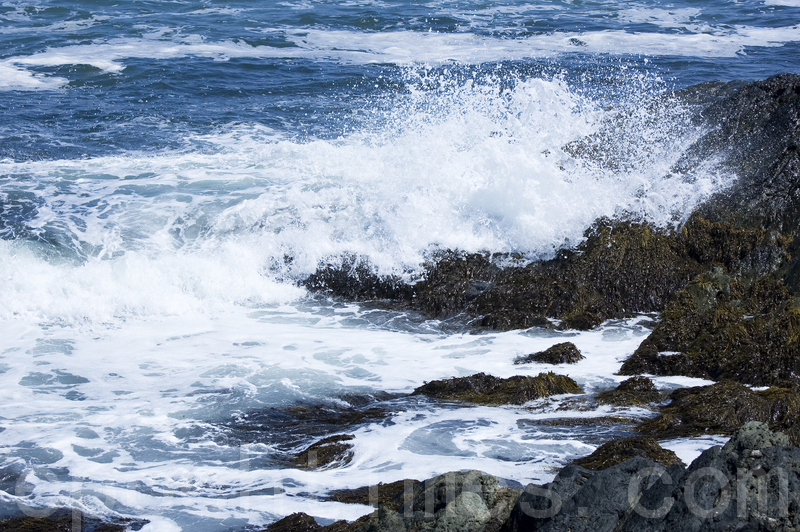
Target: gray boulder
[(454, 502)]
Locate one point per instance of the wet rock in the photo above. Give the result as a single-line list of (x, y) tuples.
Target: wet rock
[(718, 328), (301, 522), (452, 281), (68, 520), (752, 484), (622, 267), (327, 453), (563, 353), (617, 451), (464, 501), (390, 496), (723, 408), (578, 499), (289, 426), (354, 279), (636, 391), (485, 389)]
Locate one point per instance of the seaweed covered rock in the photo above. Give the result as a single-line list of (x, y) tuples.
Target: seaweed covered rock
[(354, 279), (302, 522), (391, 495), (636, 391), (617, 451), (724, 407), (621, 268), (718, 328), (563, 353), (452, 281), (485, 389), (68, 520)]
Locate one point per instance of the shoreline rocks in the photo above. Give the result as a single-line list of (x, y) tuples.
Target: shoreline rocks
[(751, 483), (727, 286)]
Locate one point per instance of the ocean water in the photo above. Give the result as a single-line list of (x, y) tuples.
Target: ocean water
[(169, 171)]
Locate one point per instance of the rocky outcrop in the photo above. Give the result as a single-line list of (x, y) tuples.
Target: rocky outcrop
[(464, 501), (563, 353), (752, 483), (485, 389), (636, 391), (617, 451), (723, 408)]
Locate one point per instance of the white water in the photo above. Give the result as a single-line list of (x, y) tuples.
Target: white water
[(171, 307)]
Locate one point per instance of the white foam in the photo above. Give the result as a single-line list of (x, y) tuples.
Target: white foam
[(14, 78), (407, 47)]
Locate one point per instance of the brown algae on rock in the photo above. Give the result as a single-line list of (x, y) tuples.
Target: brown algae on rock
[(617, 451), (488, 390), (563, 353)]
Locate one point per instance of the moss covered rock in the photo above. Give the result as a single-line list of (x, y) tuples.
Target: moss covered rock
[(617, 451), (391, 495), (485, 389), (722, 408), (563, 353), (718, 328), (636, 391)]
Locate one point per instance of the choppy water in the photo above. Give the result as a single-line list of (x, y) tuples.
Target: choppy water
[(170, 170)]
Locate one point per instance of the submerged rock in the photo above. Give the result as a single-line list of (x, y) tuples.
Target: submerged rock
[(563, 353), (485, 389), (333, 451), (723, 408), (636, 391), (617, 451)]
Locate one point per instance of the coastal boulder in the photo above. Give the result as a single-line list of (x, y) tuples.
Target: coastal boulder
[(563, 353), (485, 389), (636, 391)]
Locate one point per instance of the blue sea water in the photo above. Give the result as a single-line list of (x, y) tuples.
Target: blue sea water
[(170, 170)]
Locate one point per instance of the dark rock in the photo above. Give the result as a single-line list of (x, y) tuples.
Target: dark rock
[(452, 281), (390, 496), (288, 427), (622, 267), (636, 391), (617, 451), (750, 484), (464, 501), (563, 353), (297, 522), (578, 500), (301, 522), (485, 389), (354, 279), (68, 520), (327, 453), (723, 408)]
